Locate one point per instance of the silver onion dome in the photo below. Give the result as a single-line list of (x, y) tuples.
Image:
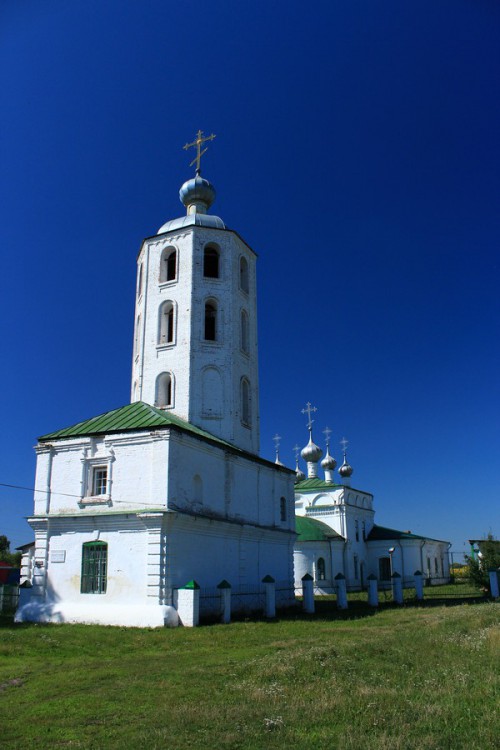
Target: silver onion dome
[(345, 470), (197, 194), (328, 463), (312, 452), (299, 474)]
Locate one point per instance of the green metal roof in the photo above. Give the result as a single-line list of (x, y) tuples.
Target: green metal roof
[(383, 534), (142, 416), (136, 416), (316, 484), (311, 530)]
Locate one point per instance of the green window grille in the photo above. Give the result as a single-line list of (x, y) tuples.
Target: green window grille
[(94, 568)]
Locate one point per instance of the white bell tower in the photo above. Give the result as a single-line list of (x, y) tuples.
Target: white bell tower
[(195, 341)]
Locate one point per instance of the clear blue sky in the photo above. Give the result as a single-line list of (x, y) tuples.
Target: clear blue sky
[(357, 152)]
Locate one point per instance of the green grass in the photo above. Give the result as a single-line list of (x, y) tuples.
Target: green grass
[(399, 678)]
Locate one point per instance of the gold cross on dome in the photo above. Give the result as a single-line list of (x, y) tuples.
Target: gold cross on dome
[(200, 140)]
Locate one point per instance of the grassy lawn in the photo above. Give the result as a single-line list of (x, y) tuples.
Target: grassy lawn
[(398, 678)]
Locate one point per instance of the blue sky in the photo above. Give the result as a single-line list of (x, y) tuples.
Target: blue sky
[(357, 152)]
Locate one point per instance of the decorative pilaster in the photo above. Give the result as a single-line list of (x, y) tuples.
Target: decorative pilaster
[(155, 578)]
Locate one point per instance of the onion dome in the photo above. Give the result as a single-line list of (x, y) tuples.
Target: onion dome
[(197, 194), (345, 470), (299, 474), (328, 463), (312, 452)]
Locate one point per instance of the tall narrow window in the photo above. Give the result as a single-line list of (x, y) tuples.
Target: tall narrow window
[(139, 281), (356, 567), (164, 390), (94, 568), (364, 531), (245, 402), (166, 323), (137, 343), (320, 569), (244, 331), (356, 526), (244, 286), (211, 264), (168, 265), (283, 509), (210, 332)]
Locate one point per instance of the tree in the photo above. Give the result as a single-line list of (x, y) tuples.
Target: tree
[(12, 558), (488, 558)]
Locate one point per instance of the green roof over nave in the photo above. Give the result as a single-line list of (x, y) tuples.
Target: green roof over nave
[(312, 530), (130, 418)]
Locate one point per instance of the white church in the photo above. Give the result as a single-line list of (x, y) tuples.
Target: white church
[(169, 491)]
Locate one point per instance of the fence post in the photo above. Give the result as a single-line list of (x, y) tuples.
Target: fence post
[(397, 588), (225, 594), (308, 593), (341, 591), (372, 590), (495, 593), (188, 604), (270, 588), (419, 585)]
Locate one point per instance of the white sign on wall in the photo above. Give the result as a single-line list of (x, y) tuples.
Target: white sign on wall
[(58, 555)]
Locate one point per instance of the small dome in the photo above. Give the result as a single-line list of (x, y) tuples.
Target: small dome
[(328, 463), (197, 194), (312, 452), (345, 470), (299, 474)]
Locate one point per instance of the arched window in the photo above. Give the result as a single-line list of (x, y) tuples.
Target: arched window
[(94, 568), (168, 265), (320, 569), (212, 394), (245, 402), (384, 568), (356, 526), (139, 282), (283, 509), (210, 328), (164, 390), (244, 331), (244, 285), (166, 323), (211, 262), (137, 342)]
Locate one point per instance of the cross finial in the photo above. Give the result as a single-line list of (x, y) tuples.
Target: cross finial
[(296, 450), (327, 432), (277, 441), (344, 443), (308, 410), (200, 140)]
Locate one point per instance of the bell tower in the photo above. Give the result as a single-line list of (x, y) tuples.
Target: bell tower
[(195, 339)]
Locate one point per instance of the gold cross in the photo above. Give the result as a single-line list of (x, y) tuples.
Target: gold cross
[(200, 140)]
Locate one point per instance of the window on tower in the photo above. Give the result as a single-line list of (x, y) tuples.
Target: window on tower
[(244, 285), (211, 262), (210, 328), (137, 342), (168, 265), (164, 391), (244, 331), (139, 282), (166, 323), (245, 403)]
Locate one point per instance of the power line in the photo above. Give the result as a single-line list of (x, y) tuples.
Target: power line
[(67, 494)]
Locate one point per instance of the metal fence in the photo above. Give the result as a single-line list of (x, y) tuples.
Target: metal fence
[(461, 587), (9, 597)]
